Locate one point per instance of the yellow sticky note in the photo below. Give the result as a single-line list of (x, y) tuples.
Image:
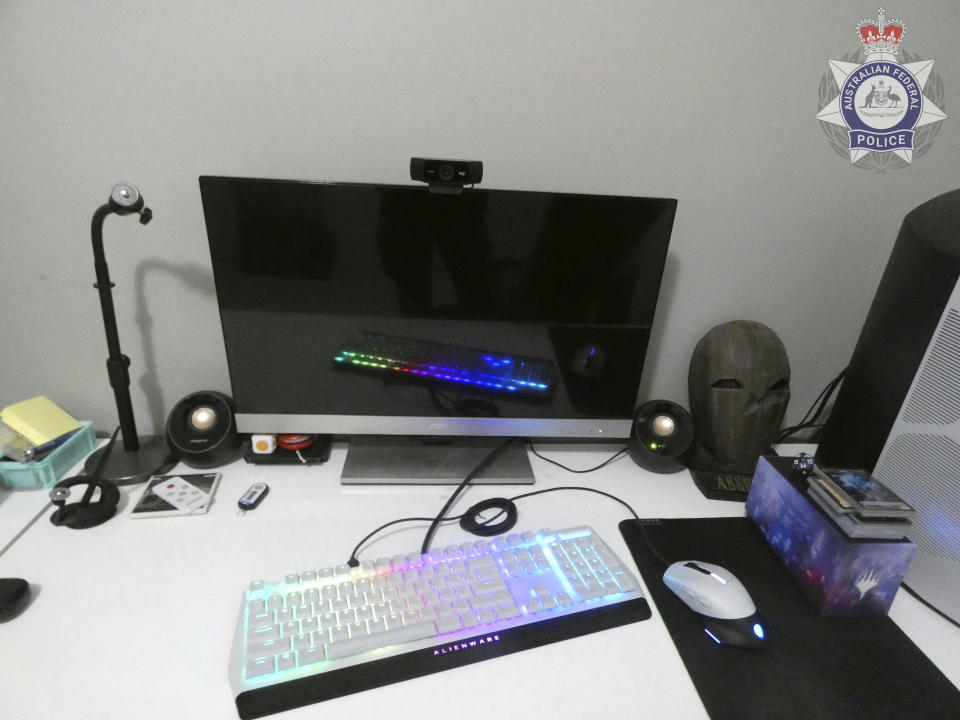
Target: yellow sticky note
[(38, 419)]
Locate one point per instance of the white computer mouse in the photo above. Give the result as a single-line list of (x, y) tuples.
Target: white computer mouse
[(730, 616), (709, 589)]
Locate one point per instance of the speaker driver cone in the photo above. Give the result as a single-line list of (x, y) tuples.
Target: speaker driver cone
[(202, 430), (661, 436)]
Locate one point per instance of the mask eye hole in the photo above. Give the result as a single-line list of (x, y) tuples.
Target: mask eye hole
[(781, 384), (728, 384)]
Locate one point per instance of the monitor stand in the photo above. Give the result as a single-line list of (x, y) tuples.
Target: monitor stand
[(416, 460)]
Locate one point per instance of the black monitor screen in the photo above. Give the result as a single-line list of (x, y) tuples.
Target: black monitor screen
[(379, 303)]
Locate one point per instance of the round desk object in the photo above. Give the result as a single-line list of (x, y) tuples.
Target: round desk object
[(15, 595), (661, 436), (202, 430), (87, 512)]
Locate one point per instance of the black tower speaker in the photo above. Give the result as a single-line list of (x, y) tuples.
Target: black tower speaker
[(661, 436), (920, 275), (202, 430)]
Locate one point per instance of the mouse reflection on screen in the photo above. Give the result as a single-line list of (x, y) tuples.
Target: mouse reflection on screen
[(728, 612), (589, 361)]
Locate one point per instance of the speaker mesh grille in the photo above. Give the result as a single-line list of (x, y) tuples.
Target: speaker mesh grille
[(925, 471), (935, 399)]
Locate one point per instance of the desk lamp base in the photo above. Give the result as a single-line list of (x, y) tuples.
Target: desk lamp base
[(131, 467)]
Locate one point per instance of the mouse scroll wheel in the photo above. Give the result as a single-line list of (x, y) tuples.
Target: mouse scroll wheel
[(696, 567)]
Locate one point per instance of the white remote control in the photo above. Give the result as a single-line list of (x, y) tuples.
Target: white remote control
[(181, 494)]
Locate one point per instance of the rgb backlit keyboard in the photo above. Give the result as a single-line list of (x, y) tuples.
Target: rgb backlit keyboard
[(325, 633), (455, 364)]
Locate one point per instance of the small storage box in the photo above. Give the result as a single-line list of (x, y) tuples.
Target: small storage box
[(840, 575), (46, 472)]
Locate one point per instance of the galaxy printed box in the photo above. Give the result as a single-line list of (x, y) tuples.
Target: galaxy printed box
[(840, 575)]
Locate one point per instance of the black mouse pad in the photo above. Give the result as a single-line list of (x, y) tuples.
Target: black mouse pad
[(812, 667)]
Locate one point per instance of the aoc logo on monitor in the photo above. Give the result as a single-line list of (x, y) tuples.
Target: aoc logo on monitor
[(881, 113)]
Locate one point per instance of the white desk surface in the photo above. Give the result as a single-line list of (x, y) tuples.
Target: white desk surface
[(134, 618)]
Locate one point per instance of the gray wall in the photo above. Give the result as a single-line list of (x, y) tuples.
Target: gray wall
[(711, 103)]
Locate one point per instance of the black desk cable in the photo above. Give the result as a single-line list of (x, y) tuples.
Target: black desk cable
[(473, 521), (819, 404), (924, 602), (573, 470), (491, 456)]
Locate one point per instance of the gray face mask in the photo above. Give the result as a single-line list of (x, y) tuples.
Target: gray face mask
[(739, 386)]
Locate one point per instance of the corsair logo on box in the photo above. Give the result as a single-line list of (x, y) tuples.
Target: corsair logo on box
[(882, 113)]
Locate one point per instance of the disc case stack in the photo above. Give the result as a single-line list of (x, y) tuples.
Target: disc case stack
[(859, 504)]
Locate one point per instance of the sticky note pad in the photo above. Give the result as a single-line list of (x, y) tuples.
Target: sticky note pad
[(38, 419)]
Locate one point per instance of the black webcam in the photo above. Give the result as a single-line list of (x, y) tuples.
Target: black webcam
[(446, 175)]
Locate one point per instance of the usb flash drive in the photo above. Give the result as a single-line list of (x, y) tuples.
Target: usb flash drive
[(252, 497)]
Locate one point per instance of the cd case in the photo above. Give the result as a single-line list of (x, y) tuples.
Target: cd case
[(857, 526), (857, 491), (166, 495)]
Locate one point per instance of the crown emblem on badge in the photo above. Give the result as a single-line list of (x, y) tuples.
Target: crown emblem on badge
[(880, 35)]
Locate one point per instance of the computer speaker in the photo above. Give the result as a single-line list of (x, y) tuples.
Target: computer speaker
[(661, 436), (202, 430), (919, 277)]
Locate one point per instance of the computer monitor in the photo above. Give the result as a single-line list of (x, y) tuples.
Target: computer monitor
[(385, 313)]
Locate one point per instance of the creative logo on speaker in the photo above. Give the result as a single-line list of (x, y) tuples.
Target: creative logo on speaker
[(884, 112)]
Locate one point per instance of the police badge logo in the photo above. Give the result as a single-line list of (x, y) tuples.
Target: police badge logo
[(887, 109)]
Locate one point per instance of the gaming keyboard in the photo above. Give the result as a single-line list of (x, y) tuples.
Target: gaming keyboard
[(448, 363), (321, 634)]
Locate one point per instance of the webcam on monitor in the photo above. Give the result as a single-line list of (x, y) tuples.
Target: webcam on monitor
[(446, 175)]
